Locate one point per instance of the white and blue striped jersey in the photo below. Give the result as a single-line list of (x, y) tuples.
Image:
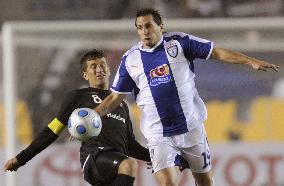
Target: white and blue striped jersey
[(162, 79)]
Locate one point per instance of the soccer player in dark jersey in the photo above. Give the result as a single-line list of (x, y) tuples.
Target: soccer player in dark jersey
[(107, 158)]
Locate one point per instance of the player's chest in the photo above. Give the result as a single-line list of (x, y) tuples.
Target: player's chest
[(92, 100), (156, 64)]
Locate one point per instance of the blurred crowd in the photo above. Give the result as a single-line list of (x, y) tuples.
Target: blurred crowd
[(117, 9)]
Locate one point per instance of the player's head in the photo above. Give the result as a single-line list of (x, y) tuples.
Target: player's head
[(95, 69), (149, 26)]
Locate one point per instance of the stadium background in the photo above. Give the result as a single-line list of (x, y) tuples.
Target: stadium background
[(245, 123)]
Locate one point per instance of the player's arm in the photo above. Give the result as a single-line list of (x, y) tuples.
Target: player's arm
[(135, 150), (109, 103), (230, 56), (123, 84), (47, 136)]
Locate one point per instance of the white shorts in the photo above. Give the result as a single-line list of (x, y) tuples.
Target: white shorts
[(192, 146)]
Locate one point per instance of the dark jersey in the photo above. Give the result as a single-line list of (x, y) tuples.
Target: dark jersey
[(116, 133), (116, 130)]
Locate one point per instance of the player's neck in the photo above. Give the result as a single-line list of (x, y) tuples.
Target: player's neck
[(101, 87)]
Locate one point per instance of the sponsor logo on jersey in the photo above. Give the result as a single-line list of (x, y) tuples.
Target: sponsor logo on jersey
[(118, 117), (172, 50), (160, 74)]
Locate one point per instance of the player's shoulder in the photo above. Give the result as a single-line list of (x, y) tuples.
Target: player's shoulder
[(71, 95), (174, 35), (89, 90), (131, 50), (77, 92)]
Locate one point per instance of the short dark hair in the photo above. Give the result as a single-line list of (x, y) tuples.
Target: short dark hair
[(150, 11), (91, 55)]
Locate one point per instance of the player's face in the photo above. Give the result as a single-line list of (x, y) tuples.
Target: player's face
[(149, 32), (97, 73)]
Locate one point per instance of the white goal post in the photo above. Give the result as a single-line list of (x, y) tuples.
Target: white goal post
[(243, 34)]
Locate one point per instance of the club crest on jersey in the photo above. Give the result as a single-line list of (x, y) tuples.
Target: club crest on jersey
[(160, 74), (172, 50)]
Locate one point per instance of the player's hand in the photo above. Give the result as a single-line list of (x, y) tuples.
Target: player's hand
[(11, 165), (262, 65)]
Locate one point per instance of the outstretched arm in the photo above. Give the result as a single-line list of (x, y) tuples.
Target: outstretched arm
[(230, 56), (109, 103), (47, 136), (43, 140)]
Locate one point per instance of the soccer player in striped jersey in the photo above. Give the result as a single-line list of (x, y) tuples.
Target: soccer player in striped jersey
[(160, 72), (105, 159)]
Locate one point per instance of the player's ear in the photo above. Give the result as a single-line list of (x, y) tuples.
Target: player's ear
[(108, 70), (162, 27), (85, 76)]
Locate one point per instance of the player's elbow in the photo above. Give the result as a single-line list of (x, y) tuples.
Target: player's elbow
[(217, 53), (109, 103), (225, 55), (116, 98)]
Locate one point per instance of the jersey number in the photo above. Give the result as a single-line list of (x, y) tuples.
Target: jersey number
[(206, 159), (96, 99)]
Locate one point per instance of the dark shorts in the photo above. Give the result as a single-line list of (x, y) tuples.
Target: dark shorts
[(101, 167)]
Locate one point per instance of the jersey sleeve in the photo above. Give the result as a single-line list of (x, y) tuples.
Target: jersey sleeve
[(50, 133), (123, 83), (61, 119), (135, 150), (195, 47), (42, 141), (68, 105)]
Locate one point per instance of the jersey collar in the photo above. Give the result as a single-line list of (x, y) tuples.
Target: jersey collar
[(97, 89), (150, 49)]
